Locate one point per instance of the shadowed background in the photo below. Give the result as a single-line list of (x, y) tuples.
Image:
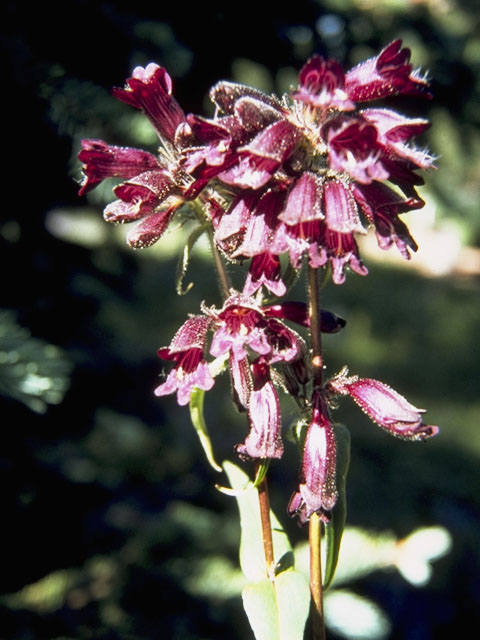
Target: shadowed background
[(111, 525)]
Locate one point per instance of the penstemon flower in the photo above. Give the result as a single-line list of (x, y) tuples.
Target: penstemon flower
[(187, 351), (304, 169), (282, 183), (317, 492), (154, 187), (383, 405)]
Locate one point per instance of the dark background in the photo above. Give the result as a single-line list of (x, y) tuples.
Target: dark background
[(107, 502)]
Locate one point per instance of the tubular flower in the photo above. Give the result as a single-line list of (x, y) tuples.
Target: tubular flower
[(264, 439), (187, 352), (242, 323), (244, 330), (384, 405), (154, 187), (305, 169), (317, 491)]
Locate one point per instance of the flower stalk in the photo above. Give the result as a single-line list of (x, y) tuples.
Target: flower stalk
[(264, 503), (315, 524), (316, 588), (300, 177)]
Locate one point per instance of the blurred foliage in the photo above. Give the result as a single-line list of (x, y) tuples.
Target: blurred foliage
[(32, 371), (112, 527)]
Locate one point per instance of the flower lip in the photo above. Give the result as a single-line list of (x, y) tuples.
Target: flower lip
[(186, 350), (321, 85)]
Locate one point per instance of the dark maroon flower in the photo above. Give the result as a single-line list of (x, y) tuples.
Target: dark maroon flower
[(150, 89), (354, 150), (154, 187), (187, 352), (305, 169), (244, 330), (317, 491), (265, 270), (298, 312), (381, 206), (394, 131), (321, 85), (101, 160), (242, 324), (264, 439), (385, 406)]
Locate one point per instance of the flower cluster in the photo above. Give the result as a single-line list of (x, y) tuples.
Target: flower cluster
[(251, 339), (301, 171), (299, 176)]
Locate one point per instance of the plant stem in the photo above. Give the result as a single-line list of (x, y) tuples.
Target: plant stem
[(263, 497), (315, 524), (315, 536), (264, 503), (315, 328), (199, 208), (220, 266)]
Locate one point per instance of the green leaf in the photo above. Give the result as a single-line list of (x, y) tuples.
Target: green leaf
[(278, 609), (252, 555), (198, 421), (293, 601), (260, 475), (260, 604), (182, 264), (334, 529)]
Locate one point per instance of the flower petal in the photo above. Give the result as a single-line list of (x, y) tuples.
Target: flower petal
[(317, 492), (101, 160), (151, 228), (264, 439), (304, 200), (385, 406), (389, 73), (150, 89)]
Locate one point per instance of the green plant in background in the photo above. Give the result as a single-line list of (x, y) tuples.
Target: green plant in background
[(287, 184), (31, 370)]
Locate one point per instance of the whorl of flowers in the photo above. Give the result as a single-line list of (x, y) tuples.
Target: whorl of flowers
[(301, 176), (305, 174)]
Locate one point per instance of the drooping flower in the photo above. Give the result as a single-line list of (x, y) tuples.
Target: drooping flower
[(306, 168), (242, 324), (385, 406), (317, 492), (264, 439), (246, 331), (186, 350)]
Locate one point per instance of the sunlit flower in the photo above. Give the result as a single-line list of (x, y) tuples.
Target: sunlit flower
[(187, 352), (242, 324), (384, 405), (264, 439), (304, 169), (154, 186), (317, 491)]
